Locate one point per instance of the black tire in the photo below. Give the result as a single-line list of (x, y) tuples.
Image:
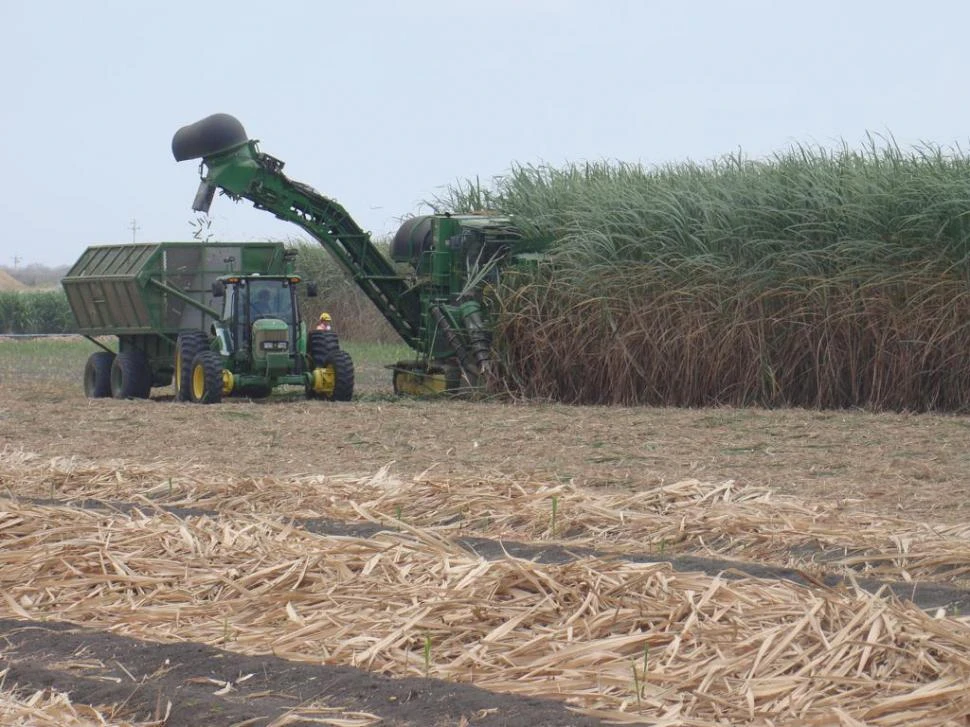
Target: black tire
[(97, 375), (343, 368), (206, 381), (187, 347), (322, 344), (131, 378)]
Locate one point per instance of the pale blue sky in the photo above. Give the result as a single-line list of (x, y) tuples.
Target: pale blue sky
[(381, 104)]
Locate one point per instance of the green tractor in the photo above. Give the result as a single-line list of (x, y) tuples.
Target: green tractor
[(434, 289), (180, 313), (257, 344)]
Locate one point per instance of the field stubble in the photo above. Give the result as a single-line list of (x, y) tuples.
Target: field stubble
[(852, 493)]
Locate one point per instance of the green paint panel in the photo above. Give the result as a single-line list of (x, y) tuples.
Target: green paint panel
[(142, 288)]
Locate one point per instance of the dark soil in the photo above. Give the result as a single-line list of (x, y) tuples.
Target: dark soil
[(143, 677)]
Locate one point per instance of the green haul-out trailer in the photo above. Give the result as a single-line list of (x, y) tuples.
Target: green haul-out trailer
[(189, 312)]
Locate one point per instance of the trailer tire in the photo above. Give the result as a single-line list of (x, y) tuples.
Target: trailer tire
[(206, 381), (131, 378), (188, 345), (322, 345), (97, 375)]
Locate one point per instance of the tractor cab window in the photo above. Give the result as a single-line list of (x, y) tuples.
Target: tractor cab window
[(259, 299), (269, 299)]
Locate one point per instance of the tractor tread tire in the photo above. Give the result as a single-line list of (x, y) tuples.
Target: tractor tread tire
[(210, 363), (188, 345), (343, 367), (322, 344)]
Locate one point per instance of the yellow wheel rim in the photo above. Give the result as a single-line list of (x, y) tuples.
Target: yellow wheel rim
[(198, 381), (178, 370)]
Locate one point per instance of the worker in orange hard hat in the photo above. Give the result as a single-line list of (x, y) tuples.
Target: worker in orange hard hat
[(325, 323)]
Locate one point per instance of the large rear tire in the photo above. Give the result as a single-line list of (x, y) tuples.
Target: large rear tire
[(188, 345), (97, 375), (322, 345), (131, 378), (206, 381)]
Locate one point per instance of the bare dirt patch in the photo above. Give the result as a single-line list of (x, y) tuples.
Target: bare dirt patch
[(894, 464)]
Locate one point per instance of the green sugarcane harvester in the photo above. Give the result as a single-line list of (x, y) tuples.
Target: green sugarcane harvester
[(435, 305)]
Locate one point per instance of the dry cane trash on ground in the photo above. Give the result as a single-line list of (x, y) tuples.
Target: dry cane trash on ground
[(627, 642), (708, 519)]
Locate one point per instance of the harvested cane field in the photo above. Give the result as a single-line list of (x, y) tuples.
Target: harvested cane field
[(408, 562)]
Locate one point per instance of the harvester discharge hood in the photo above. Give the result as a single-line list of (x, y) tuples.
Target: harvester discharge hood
[(209, 137), (212, 135)]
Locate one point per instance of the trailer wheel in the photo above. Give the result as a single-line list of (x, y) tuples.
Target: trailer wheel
[(322, 344), (206, 382), (187, 347), (97, 375), (131, 378)]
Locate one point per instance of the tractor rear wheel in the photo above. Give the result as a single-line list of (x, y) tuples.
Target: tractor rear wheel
[(321, 345), (188, 345), (206, 382), (97, 375), (131, 378)]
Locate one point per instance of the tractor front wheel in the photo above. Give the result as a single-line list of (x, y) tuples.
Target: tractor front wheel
[(188, 345), (343, 370), (334, 379), (97, 375), (205, 386)]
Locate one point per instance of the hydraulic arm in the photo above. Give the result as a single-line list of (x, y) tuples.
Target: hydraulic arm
[(233, 163)]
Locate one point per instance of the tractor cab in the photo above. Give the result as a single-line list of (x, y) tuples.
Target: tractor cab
[(260, 322)]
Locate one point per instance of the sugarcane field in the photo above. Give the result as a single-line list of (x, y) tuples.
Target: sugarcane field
[(683, 445)]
